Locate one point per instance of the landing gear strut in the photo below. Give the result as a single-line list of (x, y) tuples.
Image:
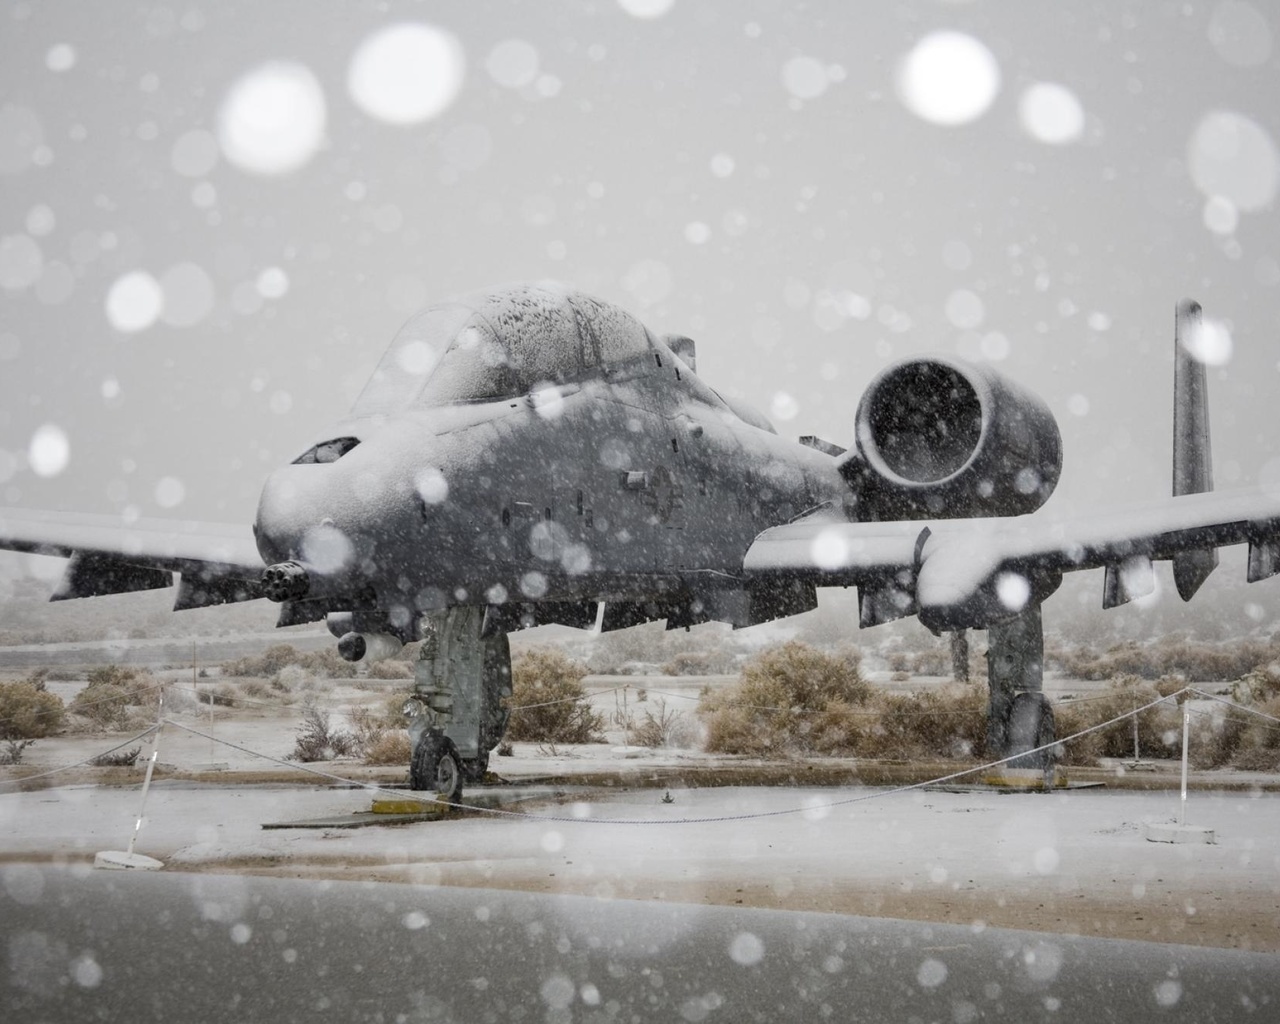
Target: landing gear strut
[(1019, 716), (456, 713)]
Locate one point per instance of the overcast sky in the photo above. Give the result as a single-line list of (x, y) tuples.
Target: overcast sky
[(213, 216)]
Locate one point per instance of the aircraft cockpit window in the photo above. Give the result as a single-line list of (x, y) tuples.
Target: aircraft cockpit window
[(476, 366), (500, 346), (327, 451)]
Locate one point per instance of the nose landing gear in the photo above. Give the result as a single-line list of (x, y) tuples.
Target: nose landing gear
[(436, 765), (456, 713)]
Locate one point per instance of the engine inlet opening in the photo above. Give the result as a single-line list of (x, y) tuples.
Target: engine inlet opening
[(925, 421)]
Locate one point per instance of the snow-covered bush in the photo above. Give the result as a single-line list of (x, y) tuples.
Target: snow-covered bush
[(548, 702)]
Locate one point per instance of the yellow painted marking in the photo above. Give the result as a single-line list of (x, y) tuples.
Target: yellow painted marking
[(405, 807)]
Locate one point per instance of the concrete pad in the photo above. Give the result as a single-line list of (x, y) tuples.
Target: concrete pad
[(1170, 832)]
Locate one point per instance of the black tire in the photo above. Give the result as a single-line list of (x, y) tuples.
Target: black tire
[(1031, 725), (437, 766)]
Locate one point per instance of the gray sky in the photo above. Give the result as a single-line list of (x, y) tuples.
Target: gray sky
[(770, 178)]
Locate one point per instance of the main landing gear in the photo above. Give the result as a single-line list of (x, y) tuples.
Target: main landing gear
[(1019, 716), (456, 713)]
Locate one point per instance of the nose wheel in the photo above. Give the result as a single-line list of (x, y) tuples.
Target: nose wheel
[(437, 766)]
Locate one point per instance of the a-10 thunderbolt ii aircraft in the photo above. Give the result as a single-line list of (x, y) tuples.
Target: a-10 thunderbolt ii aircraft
[(524, 455)]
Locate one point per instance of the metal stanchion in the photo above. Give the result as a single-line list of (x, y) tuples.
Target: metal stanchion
[(129, 860)]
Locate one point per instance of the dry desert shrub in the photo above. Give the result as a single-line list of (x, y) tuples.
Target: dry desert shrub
[(257, 689), (1257, 760), (391, 747), (317, 740), (1159, 727), (951, 722), (117, 759), (325, 663), (700, 663), (389, 668), (664, 727), (1216, 743), (1194, 662), (113, 697), (1254, 687), (792, 699), (1240, 739), (11, 751), (28, 713), (548, 702)]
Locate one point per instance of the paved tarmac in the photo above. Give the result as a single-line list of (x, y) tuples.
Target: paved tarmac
[(83, 944)]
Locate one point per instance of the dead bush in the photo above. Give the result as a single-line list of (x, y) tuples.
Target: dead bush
[(664, 727), (223, 696), (1167, 686), (699, 663), (1254, 687), (58, 675), (389, 669), (791, 699), (1217, 743), (1257, 760), (369, 726), (392, 747), (28, 712), (317, 741), (12, 751), (326, 663), (256, 689), (1159, 727), (1193, 661), (112, 694), (117, 758), (548, 702), (936, 723)]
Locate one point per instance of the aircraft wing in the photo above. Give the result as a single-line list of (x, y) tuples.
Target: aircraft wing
[(217, 562), (971, 572)]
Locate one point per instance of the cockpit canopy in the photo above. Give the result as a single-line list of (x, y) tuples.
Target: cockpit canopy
[(500, 344)]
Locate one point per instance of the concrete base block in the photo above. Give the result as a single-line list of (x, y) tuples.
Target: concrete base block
[(1174, 833), (119, 860)]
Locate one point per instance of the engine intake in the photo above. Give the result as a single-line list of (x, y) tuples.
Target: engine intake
[(938, 438)]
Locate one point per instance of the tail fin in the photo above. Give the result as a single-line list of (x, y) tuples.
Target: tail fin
[(1192, 461)]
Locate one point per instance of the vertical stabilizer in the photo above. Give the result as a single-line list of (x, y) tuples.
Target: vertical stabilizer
[(1192, 463)]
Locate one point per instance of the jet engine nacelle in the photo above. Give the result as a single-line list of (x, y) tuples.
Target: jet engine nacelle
[(938, 438)]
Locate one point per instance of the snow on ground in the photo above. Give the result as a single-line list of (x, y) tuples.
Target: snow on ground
[(1073, 862)]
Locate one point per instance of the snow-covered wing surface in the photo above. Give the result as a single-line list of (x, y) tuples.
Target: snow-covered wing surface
[(111, 556), (953, 566)]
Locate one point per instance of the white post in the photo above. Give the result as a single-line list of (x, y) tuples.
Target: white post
[(1137, 755), (1186, 729), (146, 782)]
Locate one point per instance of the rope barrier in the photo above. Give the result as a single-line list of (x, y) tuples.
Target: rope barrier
[(101, 700), (808, 808), (713, 819), (80, 764), (1233, 704)]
